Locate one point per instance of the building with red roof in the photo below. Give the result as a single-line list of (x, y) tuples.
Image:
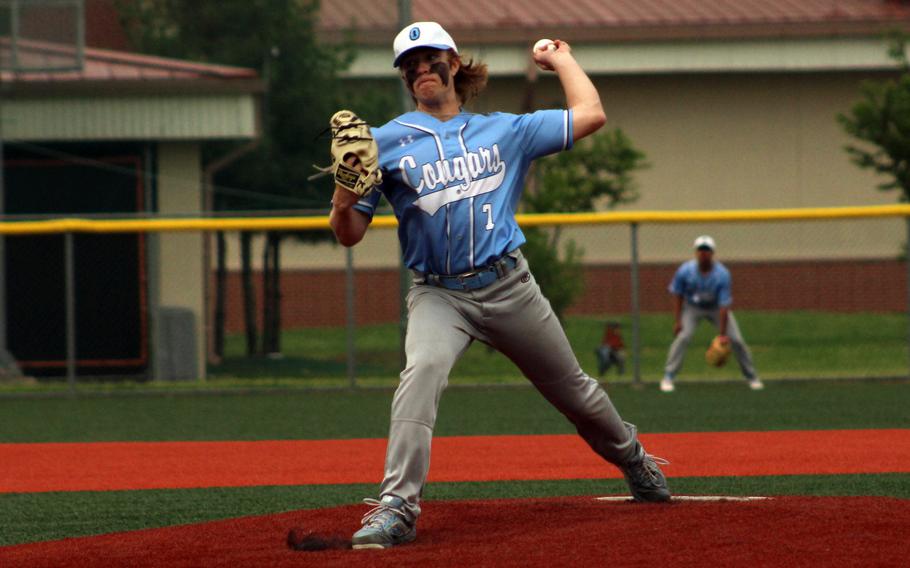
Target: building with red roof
[(503, 22), (119, 134)]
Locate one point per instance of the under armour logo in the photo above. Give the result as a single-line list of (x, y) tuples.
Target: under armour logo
[(414, 33), (405, 140)]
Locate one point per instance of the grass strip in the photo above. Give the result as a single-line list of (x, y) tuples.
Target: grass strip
[(804, 344), (789, 344), (783, 405)]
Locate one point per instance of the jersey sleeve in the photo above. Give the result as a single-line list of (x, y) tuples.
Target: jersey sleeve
[(368, 204), (724, 291), (678, 284), (544, 132)]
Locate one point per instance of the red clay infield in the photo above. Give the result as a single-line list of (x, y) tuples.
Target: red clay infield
[(157, 465), (578, 531)]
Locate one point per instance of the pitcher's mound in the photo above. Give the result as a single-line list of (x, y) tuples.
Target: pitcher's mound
[(576, 531)]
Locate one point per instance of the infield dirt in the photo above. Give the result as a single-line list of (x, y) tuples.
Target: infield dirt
[(577, 531)]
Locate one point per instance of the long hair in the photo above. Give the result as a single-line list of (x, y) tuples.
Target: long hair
[(470, 80)]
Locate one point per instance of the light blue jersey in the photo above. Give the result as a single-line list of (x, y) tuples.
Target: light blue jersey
[(710, 290), (455, 185)]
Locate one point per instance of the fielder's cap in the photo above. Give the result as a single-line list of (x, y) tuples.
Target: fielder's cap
[(421, 34), (704, 241)]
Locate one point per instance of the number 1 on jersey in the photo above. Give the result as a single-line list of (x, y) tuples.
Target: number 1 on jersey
[(488, 209)]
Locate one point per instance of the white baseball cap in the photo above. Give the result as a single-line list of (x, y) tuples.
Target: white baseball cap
[(704, 241), (421, 34)]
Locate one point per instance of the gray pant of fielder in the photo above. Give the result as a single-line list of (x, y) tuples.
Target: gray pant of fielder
[(690, 317), (512, 316)]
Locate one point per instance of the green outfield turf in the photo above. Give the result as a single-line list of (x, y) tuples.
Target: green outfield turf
[(301, 414), (466, 411), (785, 344)]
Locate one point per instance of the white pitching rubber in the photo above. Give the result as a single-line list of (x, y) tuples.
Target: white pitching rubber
[(620, 498)]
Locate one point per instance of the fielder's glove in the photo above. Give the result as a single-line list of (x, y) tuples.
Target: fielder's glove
[(351, 137), (718, 352)]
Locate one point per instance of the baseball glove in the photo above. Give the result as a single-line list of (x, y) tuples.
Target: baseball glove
[(351, 137), (718, 352)]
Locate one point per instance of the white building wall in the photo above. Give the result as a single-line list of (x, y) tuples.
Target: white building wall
[(714, 141)]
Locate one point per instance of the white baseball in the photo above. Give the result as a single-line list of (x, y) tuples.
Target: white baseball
[(543, 44)]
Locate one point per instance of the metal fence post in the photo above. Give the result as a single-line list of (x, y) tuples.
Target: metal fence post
[(351, 320), (636, 308), (70, 287)]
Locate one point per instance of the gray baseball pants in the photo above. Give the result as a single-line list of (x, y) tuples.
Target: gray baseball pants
[(512, 316), (690, 317)]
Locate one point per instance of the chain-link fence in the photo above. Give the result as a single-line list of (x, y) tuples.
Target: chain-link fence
[(813, 298), (816, 294)]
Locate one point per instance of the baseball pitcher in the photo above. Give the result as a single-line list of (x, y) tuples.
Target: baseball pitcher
[(702, 290), (454, 179)]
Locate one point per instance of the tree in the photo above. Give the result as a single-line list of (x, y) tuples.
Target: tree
[(882, 120), (303, 89), (598, 170)]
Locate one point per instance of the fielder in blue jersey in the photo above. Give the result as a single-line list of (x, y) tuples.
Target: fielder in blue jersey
[(702, 290), (454, 180)]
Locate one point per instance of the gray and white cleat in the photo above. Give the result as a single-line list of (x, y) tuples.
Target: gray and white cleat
[(385, 525)]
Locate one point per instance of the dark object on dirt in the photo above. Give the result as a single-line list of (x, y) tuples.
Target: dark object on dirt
[(309, 541)]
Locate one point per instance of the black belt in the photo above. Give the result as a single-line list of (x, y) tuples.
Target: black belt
[(473, 280)]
